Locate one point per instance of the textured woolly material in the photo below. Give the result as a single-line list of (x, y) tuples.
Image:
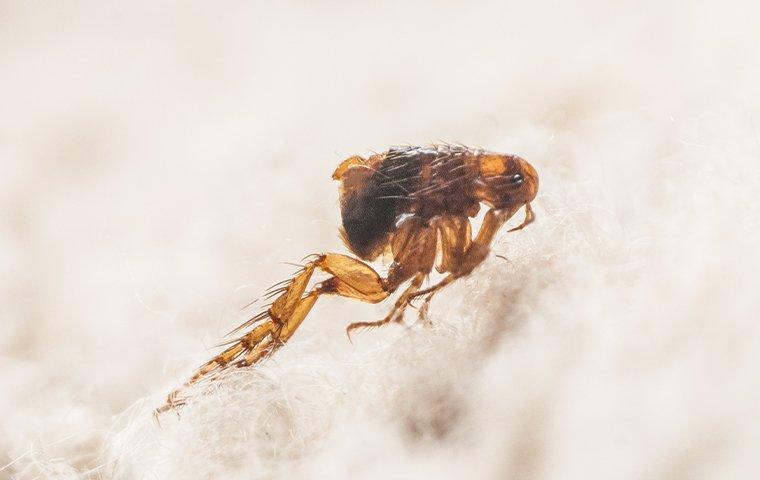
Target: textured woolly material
[(159, 161)]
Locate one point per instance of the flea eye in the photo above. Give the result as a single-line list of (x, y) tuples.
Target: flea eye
[(517, 178)]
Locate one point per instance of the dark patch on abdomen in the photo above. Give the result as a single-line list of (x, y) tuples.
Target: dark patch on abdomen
[(367, 221), (369, 215)]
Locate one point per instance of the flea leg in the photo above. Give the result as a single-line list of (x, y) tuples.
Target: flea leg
[(397, 312), (414, 250), (454, 239), (432, 290), (472, 256), (273, 327), (423, 311)]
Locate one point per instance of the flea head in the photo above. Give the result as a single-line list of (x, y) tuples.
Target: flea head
[(507, 182)]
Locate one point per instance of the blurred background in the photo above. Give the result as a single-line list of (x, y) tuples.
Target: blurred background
[(159, 160)]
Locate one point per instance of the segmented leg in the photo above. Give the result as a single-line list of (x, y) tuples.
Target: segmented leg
[(397, 312), (459, 255), (414, 249), (423, 311), (272, 328), (414, 253)]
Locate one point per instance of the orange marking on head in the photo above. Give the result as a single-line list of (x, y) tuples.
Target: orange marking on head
[(492, 165)]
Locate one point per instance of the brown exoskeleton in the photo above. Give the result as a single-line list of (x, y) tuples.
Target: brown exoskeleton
[(412, 202)]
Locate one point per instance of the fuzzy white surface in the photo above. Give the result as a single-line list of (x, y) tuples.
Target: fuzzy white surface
[(159, 160)]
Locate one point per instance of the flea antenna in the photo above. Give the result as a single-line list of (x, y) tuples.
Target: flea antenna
[(529, 217)]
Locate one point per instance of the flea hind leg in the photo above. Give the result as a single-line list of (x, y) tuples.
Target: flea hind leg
[(351, 278), (273, 327)]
